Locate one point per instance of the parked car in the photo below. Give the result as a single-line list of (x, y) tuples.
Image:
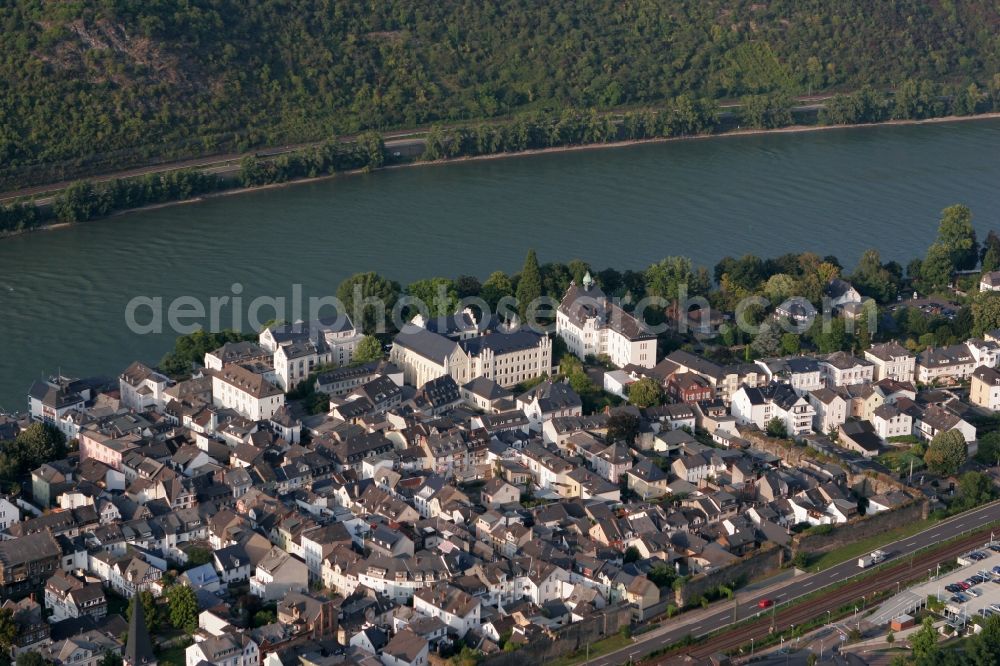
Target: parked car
[(957, 599), (974, 592), (953, 588), (964, 584), (960, 597)]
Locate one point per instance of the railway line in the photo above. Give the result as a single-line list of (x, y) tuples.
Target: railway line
[(908, 569)]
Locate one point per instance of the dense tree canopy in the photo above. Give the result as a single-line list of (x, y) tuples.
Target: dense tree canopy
[(369, 299), (946, 452), (105, 82)]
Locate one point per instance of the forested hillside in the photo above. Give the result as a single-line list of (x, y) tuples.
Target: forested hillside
[(116, 82)]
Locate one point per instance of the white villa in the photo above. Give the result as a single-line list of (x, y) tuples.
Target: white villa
[(592, 324)]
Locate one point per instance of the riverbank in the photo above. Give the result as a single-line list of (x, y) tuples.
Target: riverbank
[(237, 190)]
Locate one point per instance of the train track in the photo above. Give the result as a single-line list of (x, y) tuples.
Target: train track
[(907, 570)]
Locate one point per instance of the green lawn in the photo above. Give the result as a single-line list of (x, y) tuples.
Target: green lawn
[(859, 548), (610, 644)]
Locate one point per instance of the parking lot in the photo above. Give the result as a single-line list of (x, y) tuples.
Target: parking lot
[(972, 589)]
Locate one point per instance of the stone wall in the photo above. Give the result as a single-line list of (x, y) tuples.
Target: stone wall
[(568, 639), (769, 558), (863, 528)]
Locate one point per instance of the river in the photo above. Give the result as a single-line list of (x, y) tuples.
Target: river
[(64, 292)]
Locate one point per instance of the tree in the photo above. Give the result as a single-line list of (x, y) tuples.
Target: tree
[(890, 638), (974, 489), (40, 443), (780, 287), (829, 336), (957, 235), (369, 299), (623, 426), (8, 629), (373, 148), (669, 276), (776, 428), (873, 279), (988, 452), (150, 611), (985, 312), (189, 350), (632, 554), (529, 285), (646, 392), (467, 285), (936, 268), (369, 349), (984, 649), (31, 659), (767, 342), (183, 606), (946, 453), (924, 640), (991, 252), (110, 659), (662, 575), (497, 286), (791, 343), (438, 295), (262, 617)]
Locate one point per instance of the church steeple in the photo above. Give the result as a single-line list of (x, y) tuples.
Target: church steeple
[(138, 648), (588, 281)]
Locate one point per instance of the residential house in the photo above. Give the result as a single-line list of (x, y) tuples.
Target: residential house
[(758, 406), (892, 361), (844, 369), (406, 648), (249, 393), (549, 400), (831, 409), (984, 389), (278, 574), (228, 649), (458, 610)]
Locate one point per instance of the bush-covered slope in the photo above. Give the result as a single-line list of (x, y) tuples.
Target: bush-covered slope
[(122, 81)]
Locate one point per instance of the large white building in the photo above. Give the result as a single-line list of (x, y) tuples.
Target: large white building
[(956, 362), (758, 406), (591, 324), (143, 388), (302, 347), (508, 358), (892, 361), (249, 393)]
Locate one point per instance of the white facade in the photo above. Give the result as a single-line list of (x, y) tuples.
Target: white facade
[(892, 361), (224, 650), (890, 422), (249, 394), (592, 325), (831, 410), (842, 369)]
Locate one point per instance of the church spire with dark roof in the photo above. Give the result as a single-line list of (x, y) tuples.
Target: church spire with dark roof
[(138, 649)]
